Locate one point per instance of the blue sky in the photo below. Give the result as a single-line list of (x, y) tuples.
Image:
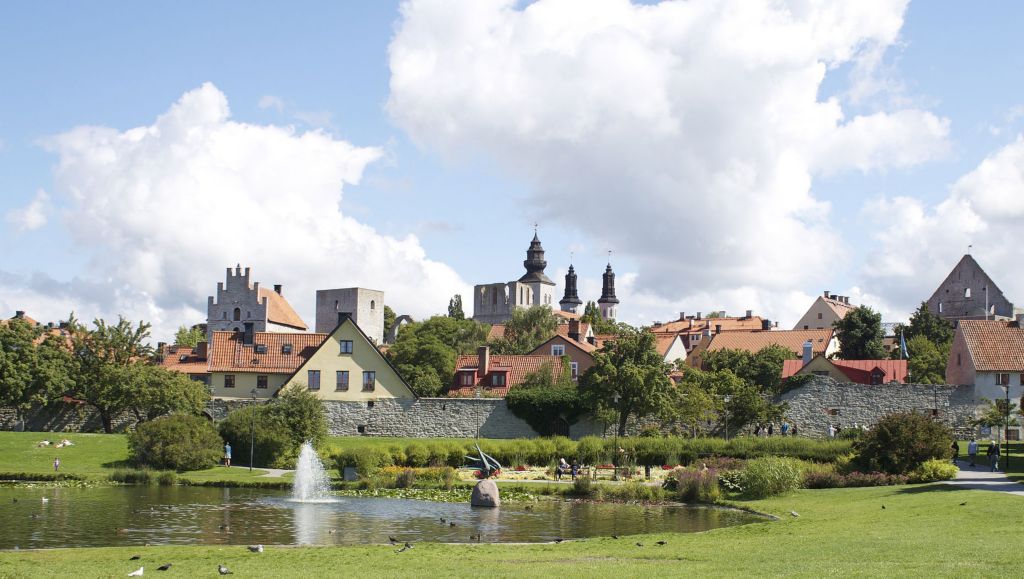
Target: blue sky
[(470, 198)]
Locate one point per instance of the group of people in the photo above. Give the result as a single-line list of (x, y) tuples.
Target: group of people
[(992, 453), (766, 430), (566, 468)]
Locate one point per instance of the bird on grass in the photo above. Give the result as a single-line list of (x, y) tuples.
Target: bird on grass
[(451, 524), (164, 567), (963, 504), (392, 540), (794, 513), (443, 520), (135, 557), (405, 548), (559, 539), (883, 507), (223, 570), (615, 536), (137, 573), (662, 543), (256, 548), (639, 544)]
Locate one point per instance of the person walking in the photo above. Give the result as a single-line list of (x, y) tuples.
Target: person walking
[(956, 451), (771, 428), (972, 450), (993, 456), (831, 431), (56, 464), (785, 427), (227, 454), (795, 432)]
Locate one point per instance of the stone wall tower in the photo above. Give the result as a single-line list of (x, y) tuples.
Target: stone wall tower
[(571, 301), (535, 278), (608, 302)]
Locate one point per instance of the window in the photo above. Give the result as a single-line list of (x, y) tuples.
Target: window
[(342, 379), (314, 379), (558, 349), (346, 346), (1003, 379), (238, 314), (805, 327), (225, 316), (261, 348), (286, 349), (819, 315), (248, 315), (940, 307), (498, 379), (575, 370), (876, 378), (967, 293), (373, 304), (958, 358), (229, 380), (261, 381), (361, 429), (466, 378), (369, 381)]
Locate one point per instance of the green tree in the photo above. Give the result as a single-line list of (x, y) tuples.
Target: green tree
[(927, 363), (389, 318), (762, 368), (152, 391), (693, 401), (528, 328), (180, 442), (455, 308), (900, 442), (423, 380), (860, 335), (628, 377), (994, 414), (544, 400), (924, 323), (189, 336), (591, 313), (302, 412), (31, 372), (434, 343)]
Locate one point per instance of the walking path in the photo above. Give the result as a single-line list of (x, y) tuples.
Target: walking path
[(275, 472), (980, 478)]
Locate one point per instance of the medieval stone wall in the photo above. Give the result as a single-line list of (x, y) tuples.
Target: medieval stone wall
[(61, 417)]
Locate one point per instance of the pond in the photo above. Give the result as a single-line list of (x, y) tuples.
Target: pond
[(136, 515)]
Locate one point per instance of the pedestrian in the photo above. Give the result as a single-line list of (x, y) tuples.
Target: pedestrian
[(956, 451), (757, 430), (56, 464), (771, 428), (972, 450), (785, 427), (831, 431), (575, 468), (795, 430), (993, 456), (227, 454)]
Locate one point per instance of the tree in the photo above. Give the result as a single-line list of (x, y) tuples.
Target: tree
[(860, 335), (762, 368), (32, 372), (927, 363), (434, 343), (628, 377), (545, 400), (900, 442), (994, 414), (591, 313), (455, 308), (924, 323), (693, 401), (153, 391), (389, 318), (189, 336), (179, 442), (528, 328)]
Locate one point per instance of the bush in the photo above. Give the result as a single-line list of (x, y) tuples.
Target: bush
[(273, 445), (731, 481), (634, 491), (771, 475), (823, 480), (583, 487), (696, 486), (901, 442), (179, 442), (131, 476), (933, 470), (872, 479), (405, 479), (366, 460)]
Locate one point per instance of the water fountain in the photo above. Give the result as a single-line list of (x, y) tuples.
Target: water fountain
[(311, 485)]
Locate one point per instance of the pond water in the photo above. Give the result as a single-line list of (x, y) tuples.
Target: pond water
[(136, 515)]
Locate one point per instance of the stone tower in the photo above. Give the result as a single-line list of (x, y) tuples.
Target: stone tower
[(608, 302), (241, 304), (535, 278), (571, 301), (364, 306)]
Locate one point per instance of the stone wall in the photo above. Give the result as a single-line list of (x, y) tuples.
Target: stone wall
[(61, 417), (822, 401), (426, 417)]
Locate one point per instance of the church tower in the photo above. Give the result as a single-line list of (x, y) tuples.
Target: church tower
[(541, 285), (608, 302), (571, 301)]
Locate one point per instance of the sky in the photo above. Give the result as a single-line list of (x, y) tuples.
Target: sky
[(731, 155)]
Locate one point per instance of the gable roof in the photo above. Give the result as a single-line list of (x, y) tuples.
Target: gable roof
[(840, 308), (663, 342), (858, 371), (182, 359), (496, 332), (279, 311), (21, 316), (585, 347), (228, 354), (994, 345), (515, 367), (793, 340)]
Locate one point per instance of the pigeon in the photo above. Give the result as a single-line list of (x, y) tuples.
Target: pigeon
[(615, 536), (164, 567), (137, 573), (883, 507), (223, 570), (392, 540), (405, 548), (475, 537), (135, 557), (451, 524), (639, 544), (662, 543), (256, 548), (559, 539), (963, 504), (794, 513)]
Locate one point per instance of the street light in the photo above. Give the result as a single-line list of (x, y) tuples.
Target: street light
[(1006, 430), (615, 456), (252, 431), (726, 399)]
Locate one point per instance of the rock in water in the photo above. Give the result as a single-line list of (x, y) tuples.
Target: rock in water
[(485, 494)]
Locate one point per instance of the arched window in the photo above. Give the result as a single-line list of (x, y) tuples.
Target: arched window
[(940, 307), (373, 304), (248, 315), (238, 314), (225, 316), (967, 293)]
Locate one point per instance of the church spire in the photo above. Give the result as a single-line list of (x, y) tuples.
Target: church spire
[(608, 302), (571, 302), (535, 263)]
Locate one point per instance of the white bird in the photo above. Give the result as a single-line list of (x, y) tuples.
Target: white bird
[(46, 500), (137, 573), (794, 513), (223, 570), (256, 548)]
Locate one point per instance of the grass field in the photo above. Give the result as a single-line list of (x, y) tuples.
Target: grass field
[(923, 531)]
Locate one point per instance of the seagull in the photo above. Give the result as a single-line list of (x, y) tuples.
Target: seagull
[(392, 540), (164, 567), (256, 548), (223, 570), (137, 573), (662, 543), (135, 557), (794, 513)]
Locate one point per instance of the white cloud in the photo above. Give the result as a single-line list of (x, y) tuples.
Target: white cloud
[(165, 208), (271, 102), (921, 244), (685, 134), (32, 216)]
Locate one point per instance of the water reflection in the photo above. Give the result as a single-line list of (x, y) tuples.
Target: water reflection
[(195, 515)]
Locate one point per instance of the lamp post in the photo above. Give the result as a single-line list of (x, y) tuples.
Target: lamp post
[(615, 455), (1006, 431), (252, 431), (726, 399)]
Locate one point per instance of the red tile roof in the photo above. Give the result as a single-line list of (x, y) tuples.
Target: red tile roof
[(793, 340), (994, 345), (279, 311), (228, 354), (664, 342), (23, 318), (858, 371), (566, 315), (516, 369), (183, 359), (693, 326), (496, 332)]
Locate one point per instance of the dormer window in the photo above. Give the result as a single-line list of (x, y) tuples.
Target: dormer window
[(286, 349), (498, 379), (261, 348), (465, 378)]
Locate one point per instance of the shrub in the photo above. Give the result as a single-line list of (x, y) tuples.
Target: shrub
[(167, 479), (823, 480), (901, 442), (872, 479), (366, 460), (771, 475), (634, 491), (417, 455), (592, 450), (131, 476), (179, 442), (544, 407), (696, 486), (731, 481), (933, 470), (583, 487), (405, 479), (273, 445)]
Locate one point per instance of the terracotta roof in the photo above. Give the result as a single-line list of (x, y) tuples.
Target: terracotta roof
[(23, 318), (182, 359), (496, 332), (994, 345), (754, 341), (840, 308), (566, 315), (664, 342), (582, 345), (228, 354), (695, 325), (858, 371), (516, 369), (279, 311)]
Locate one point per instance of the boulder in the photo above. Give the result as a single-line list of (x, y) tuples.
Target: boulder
[(485, 494)]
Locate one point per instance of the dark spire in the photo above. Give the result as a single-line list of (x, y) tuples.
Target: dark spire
[(608, 287), (535, 263), (571, 302)]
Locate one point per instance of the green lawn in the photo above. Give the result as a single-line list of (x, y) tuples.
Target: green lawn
[(923, 531)]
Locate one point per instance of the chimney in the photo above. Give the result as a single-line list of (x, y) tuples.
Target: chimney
[(19, 315), (766, 324), (698, 315), (826, 294), (808, 352), (160, 346), (277, 288), (201, 350), (750, 314), (249, 335), (682, 316), (483, 354), (574, 330), (718, 329)]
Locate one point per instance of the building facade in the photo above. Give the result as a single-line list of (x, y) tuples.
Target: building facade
[(494, 303), (826, 310), (240, 303), (968, 293), (364, 306)]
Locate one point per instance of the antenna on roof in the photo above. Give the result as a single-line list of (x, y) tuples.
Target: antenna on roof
[(609, 257), (969, 249)]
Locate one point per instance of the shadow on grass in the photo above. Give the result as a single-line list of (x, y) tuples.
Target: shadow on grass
[(124, 463), (928, 488)]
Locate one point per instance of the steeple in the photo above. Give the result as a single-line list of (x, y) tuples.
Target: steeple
[(608, 301), (535, 263), (571, 302)]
